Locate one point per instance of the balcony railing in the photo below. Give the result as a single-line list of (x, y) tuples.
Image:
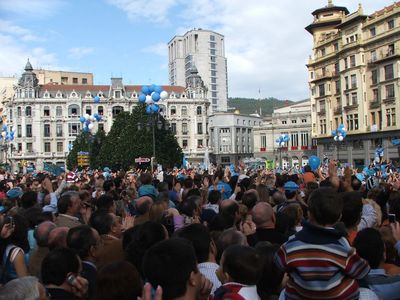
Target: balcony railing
[(374, 104), (351, 106), (337, 110), (382, 56), (322, 112), (389, 100)]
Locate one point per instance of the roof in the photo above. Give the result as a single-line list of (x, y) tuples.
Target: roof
[(310, 27), (330, 8), (385, 9)]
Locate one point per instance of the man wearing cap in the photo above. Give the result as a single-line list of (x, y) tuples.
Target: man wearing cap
[(292, 196)]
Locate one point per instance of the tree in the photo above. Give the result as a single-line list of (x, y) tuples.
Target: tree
[(95, 147), (81, 143)]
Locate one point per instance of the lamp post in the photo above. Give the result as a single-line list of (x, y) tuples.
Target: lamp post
[(281, 141), (338, 136)]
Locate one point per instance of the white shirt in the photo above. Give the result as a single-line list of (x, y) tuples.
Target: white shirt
[(208, 269)]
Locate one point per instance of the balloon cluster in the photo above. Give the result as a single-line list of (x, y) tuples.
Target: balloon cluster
[(7, 135), (282, 139), (339, 134), (314, 162), (150, 95), (87, 121)]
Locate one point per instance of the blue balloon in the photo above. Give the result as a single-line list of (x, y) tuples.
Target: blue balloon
[(146, 90), (86, 129), (96, 99), (4, 127), (142, 98), (87, 122), (155, 96), (155, 108), (333, 132), (341, 126), (70, 146), (158, 89), (82, 119), (151, 88), (148, 109), (314, 162)]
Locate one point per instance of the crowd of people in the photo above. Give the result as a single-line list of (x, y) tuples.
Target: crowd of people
[(184, 234)]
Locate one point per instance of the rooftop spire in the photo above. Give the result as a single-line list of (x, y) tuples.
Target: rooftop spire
[(330, 3), (28, 66)]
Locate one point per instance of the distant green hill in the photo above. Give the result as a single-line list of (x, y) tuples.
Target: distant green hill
[(251, 105)]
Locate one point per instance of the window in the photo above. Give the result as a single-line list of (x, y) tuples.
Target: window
[(294, 139), (199, 143), (375, 95), (213, 80), (47, 147), (64, 80), (389, 72), (372, 31), (117, 94), (212, 58), (321, 89), (173, 110), (60, 147), (73, 110), (345, 63), (173, 128), (336, 46), (46, 111), (346, 80), (337, 86), (199, 128), (100, 110), (212, 51), (390, 24), (303, 120), (184, 128), (213, 66), (59, 131), (212, 38), (84, 80), (73, 129), (352, 61), (214, 95), (294, 121), (58, 111), (284, 122), (19, 113), (184, 111), (29, 130), (391, 117), (19, 131), (323, 51), (28, 111), (19, 147), (304, 139), (213, 87), (390, 50), (322, 124), (75, 80), (353, 81), (88, 110), (212, 45), (29, 147), (213, 73), (354, 99), (116, 110), (389, 91), (46, 130), (374, 76), (184, 144), (352, 122), (263, 141), (198, 110), (373, 55), (337, 68)]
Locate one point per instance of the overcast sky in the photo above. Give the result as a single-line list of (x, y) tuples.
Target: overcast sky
[(266, 44)]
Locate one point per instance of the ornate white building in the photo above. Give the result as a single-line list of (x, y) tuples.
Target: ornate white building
[(46, 117)]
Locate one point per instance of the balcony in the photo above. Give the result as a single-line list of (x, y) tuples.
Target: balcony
[(374, 104), (322, 112), (389, 100), (337, 110), (351, 107), (326, 75), (384, 56)]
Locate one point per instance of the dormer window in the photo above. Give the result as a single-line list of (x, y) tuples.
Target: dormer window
[(88, 95), (59, 94), (74, 94), (46, 94), (117, 94)]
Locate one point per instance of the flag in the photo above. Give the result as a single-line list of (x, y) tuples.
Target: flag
[(53, 169)]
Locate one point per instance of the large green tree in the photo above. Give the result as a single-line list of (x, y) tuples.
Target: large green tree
[(81, 143)]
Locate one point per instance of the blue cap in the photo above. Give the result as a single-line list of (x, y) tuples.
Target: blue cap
[(107, 169), (15, 193), (291, 186)]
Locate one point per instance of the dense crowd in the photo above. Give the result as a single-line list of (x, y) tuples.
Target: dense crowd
[(189, 234)]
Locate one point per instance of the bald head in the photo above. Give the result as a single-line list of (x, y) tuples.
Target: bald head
[(143, 204), (263, 215), (227, 202), (42, 233), (58, 238)]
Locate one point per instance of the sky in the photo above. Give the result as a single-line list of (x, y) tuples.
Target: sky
[(266, 44)]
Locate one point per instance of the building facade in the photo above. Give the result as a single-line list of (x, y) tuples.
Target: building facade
[(46, 117), (232, 136), (205, 50), (293, 120), (354, 80), (63, 77)]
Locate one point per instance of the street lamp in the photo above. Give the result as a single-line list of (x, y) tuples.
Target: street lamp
[(338, 136), (152, 122), (281, 140)]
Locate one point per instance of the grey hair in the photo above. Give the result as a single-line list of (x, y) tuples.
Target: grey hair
[(24, 288)]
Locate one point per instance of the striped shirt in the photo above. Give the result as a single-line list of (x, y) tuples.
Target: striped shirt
[(320, 264)]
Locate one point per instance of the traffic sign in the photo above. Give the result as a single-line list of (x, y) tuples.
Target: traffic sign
[(141, 160)]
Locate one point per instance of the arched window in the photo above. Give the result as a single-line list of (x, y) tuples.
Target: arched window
[(100, 110), (116, 110), (46, 111), (173, 110), (184, 111), (59, 111), (28, 111), (19, 113), (73, 110), (198, 110)]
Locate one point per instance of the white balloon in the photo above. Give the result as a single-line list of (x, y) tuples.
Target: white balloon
[(164, 95), (149, 100), (14, 129), (92, 118), (90, 126), (282, 144), (3, 134), (340, 138), (335, 138), (87, 117)]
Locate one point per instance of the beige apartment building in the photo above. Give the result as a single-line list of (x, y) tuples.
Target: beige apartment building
[(354, 80), (63, 77)]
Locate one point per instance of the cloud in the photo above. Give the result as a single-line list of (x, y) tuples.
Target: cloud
[(79, 52), (31, 8), (159, 49), (18, 32), (145, 10)]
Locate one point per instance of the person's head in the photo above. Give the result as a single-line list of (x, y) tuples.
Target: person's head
[(148, 234), (28, 199), (352, 208), (228, 238), (189, 207), (307, 168), (157, 210), (23, 288), (294, 213), (130, 235), (58, 265), (250, 198), (146, 178), (84, 240), (69, 203), (263, 215), (325, 206), (370, 246), (172, 265), (108, 185), (291, 189), (118, 280), (263, 193), (356, 184), (58, 238), (200, 238), (241, 264), (105, 223), (214, 197), (188, 183), (41, 233), (106, 203), (143, 204)]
